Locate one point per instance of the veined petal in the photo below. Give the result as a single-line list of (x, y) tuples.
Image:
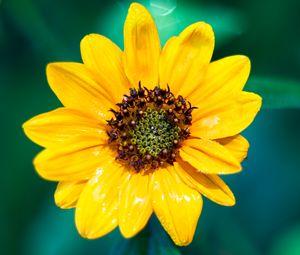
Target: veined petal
[(135, 204), (210, 185), (184, 58), (75, 160), (223, 78), (75, 87), (105, 58), (209, 157), (55, 127), (141, 47), (97, 208), (67, 193), (177, 206), (237, 145), (225, 118)]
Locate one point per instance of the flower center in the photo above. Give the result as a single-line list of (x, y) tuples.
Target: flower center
[(149, 127), (154, 133)]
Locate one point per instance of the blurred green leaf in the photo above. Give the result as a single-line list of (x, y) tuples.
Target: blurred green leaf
[(276, 93), (135, 245), (54, 238), (153, 240), (52, 232), (287, 243), (160, 243), (232, 239), (34, 26)]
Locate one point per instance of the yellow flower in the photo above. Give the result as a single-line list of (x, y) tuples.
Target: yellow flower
[(145, 130)]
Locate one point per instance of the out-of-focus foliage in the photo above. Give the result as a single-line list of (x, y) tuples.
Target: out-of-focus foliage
[(266, 217), (276, 92), (288, 242)]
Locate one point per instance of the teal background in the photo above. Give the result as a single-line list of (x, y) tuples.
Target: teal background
[(266, 218)]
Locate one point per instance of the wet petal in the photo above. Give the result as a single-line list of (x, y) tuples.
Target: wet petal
[(177, 206), (55, 127), (184, 58), (209, 157), (210, 185), (141, 47), (225, 118), (75, 87), (237, 145), (223, 78), (97, 208), (135, 204), (67, 193), (105, 59), (76, 160)]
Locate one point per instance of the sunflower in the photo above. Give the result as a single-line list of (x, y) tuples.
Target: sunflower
[(144, 130)]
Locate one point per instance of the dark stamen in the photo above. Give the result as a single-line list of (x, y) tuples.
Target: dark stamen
[(149, 127)]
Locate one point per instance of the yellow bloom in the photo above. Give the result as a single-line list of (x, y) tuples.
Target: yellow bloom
[(144, 130)]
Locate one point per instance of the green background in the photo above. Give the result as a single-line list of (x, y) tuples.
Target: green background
[(266, 218)]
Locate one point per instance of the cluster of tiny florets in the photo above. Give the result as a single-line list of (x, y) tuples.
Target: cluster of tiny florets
[(149, 127)]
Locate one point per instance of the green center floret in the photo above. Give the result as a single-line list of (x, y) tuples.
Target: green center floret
[(154, 133)]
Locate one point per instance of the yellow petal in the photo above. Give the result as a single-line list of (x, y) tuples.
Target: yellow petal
[(210, 185), (177, 206), (209, 157), (237, 145), (75, 160), (75, 87), (224, 77), (67, 193), (135, 204), (97, 208), (55, 127), (225, 118), (184, 58), (141, 47), (103, 57)]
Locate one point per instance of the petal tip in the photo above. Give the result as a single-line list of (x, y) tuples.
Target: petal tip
[(85, 234), (51, 66), (243, 61), (82, 230), (86, 39), (26, 125), (137, 13), (232, 203), (136, 7), (127, 233), (200, 28), (52, 69)]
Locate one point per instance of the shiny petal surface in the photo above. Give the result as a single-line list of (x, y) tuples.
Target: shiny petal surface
[(177, 206), (210, 185), (54, 128), (75, 160), (105, 58), (141, 47), (225, 118), (97, 208), (237, 145), (67, 193), (75, 87), (223, 78), (184, 58), (135, 204), (209, 157)]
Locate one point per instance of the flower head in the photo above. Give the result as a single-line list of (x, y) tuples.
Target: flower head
[(145, 130)]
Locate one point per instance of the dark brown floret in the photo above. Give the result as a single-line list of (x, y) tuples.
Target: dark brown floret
[(148, 127)]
